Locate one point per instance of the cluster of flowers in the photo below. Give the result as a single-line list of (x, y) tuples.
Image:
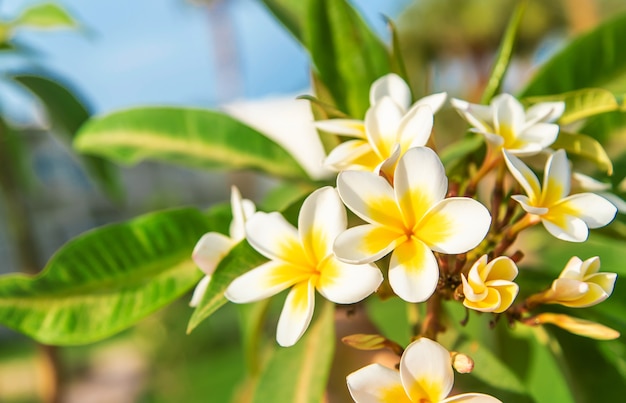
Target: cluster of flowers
[(440, 238)]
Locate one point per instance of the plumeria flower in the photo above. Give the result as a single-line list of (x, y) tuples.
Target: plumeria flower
[(579, 285), (589, 184), (390, 122), (489, 287), (303, 260), (506, 125), (213, 246), (566, 217), (425, 376), (411, 220)]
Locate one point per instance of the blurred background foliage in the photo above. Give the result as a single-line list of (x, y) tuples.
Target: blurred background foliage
[(446, 44)]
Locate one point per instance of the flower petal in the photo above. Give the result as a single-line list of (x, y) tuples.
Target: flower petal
[(381, 125), (544, 112), (604, 280), (392, 86), (507, 290), (594, 210), (199, 291), (426, 367), (541, 134), (524, 201), (275, 238), (415, 127), (594, 295), (471, 398), (345, 283), (242, 209), (419, 182), (366, 243), (471, 292), (352, 154), (370, 197), (526, 178), (502, 268), (264, 281), (322, 217), (435, 101), (556, 180), (348, 127), (479, 116), (454, 225), (210, 250), (567, 289), (566, 227), (296, 314), (509, 114), (413, 271), (375, 384), (490, 303)]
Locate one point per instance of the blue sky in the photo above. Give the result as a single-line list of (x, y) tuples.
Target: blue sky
[(161, 51)]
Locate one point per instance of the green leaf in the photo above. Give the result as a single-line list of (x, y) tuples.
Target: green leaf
[(299, 374), (580, 104), (45, 15), (238, 261), (584, 146), (190, 137), (347, 55), (290, 13), (106, 279), (396, 59), (503, 57), (595, 59), (67, 114)]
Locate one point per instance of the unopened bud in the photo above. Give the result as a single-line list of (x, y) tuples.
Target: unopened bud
[(577, 326), (462, 363)]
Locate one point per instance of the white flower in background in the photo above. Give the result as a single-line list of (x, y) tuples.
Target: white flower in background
[(579, 285), (506, 125), (213, 246), (566, 217), (489, 287), (303, 260), (411, 220), (425, 376), (390, 122), (588, 184)]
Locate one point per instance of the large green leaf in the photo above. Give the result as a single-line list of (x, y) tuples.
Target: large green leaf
[(586, 147), (190, 137), (105, 280), (299, 374), (67, 114), (347, 55), (596, 59), (45, 15)]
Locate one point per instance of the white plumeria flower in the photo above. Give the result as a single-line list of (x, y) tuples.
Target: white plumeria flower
[(412, 219), (213, 246), (390, 122), (425, 376), (303, 260), (580, 285), (489, 287), (566, 217), (506, 125)]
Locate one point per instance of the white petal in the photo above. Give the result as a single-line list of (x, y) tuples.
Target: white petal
[(296, 314), (413, 271), (370, 384), (345, 283), (426, 361), (544, 112), (366, 243), (526, 150), (242, 209), (210, 250), (454, 225), (435, 101), (420, 181), (381, 124), (275, 238), (524, 201), (568, 228), (557, 178), (263, 282), (199, 291), (370, 197), (479, 116), (573, 269), (526, 178), (508, 112), (470, 293), (471, 398), (415, 127), (491, 138), (322, 217), (344, 155), (392, 86), (594, 210), (348, 127), (566, 289), (542, 134)]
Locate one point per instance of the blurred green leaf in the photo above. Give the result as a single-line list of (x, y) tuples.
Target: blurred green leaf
[(190, 137), (106, 279), (347, 55), (456, 154), (299, 374), (580, 104), (592, 60), (45, 15), (503, 57), (584, 146), (67, 114), (396, 59), (238, 261), (607, 126), (291, 13)]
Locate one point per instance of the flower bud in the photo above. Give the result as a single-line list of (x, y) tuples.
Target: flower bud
[(462, 363), (577, 326)]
